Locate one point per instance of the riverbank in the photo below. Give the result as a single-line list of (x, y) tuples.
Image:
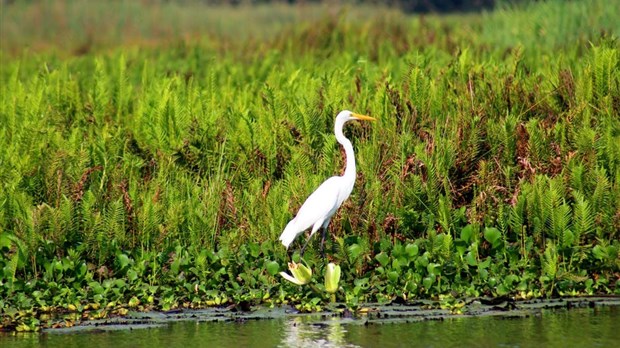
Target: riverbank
[(445, 309)]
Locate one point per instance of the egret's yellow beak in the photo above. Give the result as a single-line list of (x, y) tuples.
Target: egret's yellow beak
[(362, 117)]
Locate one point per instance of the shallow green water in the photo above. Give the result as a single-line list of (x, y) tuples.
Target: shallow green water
[(584, 327)]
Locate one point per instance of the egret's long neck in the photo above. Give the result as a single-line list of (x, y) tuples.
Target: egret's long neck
[(348, 149)]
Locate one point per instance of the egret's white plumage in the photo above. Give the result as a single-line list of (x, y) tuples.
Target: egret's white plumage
[(322, 204)]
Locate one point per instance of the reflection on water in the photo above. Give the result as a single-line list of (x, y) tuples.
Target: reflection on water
[(301, 332), (597, 327)]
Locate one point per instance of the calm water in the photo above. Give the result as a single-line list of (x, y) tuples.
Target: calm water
[(597, 327)]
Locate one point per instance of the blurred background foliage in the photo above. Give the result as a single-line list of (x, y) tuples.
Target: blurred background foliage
[(79, 26)]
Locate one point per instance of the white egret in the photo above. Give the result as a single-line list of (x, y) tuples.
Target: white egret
[(322, 204)]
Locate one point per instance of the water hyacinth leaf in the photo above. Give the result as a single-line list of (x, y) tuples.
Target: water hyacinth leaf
[(422, 260), (383, 259), (107, 284), (471, 259), (412, 251), (175, 266), (254, 249), (493, 236), (96, 287), (396, 264), (428, 282), (511, 279), (433, 268), (466, 233), (398, 250), (134, 302), (82, 269), (502, 290), (132, 275), (354, 251), (362, 283), (392, 276), (266, 247), (485, 264), (599, 252), (272, 267), (123, 260)]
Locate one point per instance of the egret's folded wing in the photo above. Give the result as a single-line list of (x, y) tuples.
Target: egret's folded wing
[(322, 203)]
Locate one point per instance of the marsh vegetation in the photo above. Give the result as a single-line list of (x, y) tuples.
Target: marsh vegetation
[(157, 170)]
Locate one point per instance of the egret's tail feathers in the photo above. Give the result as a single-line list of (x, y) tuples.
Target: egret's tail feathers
[(290, 233)]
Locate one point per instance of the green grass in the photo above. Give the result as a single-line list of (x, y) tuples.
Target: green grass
[(161, 174)]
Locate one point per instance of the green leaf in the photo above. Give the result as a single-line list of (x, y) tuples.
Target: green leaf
[(132, 275), (428, 282), (382, 258), (123, 260), (493, 236), (433, 269), (422, 260), (471, 259), (599, 252), (485, 264), (511, 279), (272, 267), (395, 265), (254, 249), (392, 276), (467, 233), (354, 251), (412, 251), (612, 252), (96, 287), (502, 290), (120, 283)]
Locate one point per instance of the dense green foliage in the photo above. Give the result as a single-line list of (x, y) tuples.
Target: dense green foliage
[(162, 177)]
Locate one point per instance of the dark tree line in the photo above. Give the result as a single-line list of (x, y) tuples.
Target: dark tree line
[(418, 6), (424, 6)]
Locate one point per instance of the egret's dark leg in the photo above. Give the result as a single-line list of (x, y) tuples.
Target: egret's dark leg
[(301, 253), (323, 241)]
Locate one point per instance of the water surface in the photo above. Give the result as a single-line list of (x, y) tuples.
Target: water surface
[(582, 327)]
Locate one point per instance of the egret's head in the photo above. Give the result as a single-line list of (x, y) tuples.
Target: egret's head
[(347, 115)]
